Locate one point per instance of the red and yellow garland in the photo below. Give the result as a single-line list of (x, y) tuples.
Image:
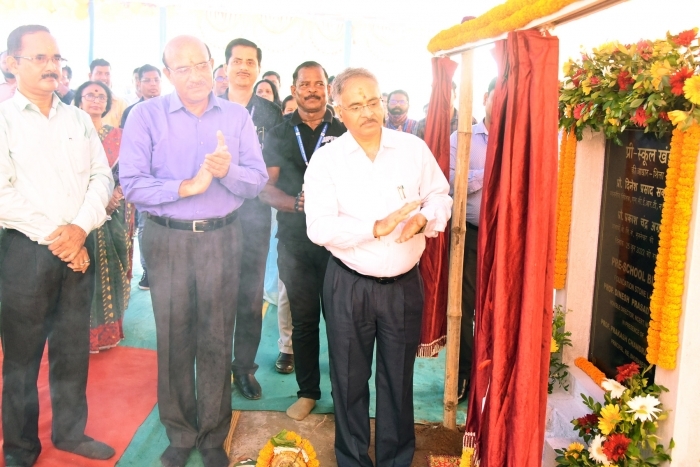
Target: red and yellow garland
[(509, 16), (287, 449), (669, 275), (591, 370), (565, 191)]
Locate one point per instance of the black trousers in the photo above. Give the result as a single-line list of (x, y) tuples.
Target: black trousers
[(256, 219), (302, 267), (42, 298), (360, 312), (194, 284), (466, 340)]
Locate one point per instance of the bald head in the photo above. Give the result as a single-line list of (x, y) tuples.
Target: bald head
[(188, 66), (183, 45)]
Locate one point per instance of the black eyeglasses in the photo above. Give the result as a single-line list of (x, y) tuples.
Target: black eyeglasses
[(93, 98), (44, 59)]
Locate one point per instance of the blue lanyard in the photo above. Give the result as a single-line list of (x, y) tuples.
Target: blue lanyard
[(318, 143)]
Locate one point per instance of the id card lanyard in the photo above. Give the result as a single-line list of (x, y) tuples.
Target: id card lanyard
[(318, 143)]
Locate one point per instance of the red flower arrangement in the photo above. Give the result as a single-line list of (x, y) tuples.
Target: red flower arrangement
[(677, 80), (615, 447), (685, 38), (587, 422), (645, 49), (625, 80), (626, 371), (640, 117)]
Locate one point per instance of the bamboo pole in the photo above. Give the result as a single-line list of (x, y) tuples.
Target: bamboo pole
[(457, 239)]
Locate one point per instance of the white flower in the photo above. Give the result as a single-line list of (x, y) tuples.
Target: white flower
[(644, 407), (615, 388), (596, 450)]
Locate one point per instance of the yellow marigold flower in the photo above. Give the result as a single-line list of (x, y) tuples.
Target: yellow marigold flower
[(609, 418), (691, 89), (553, 347)]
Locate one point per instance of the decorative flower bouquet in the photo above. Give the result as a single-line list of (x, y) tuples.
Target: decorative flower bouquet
[(558, 370), (650, 85), (623, 431), (287, 449)]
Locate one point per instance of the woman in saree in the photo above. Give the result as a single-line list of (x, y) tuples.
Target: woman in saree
[(113, 248)]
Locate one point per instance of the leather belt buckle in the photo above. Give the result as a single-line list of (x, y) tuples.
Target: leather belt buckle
[(194, 226)]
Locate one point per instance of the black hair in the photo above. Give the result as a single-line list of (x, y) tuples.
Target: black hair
[(275, 94), (243, 43), (308, 64), (216, 69), (286, 99), (69, 72), (136, 70), (146, 68), (98, 62), (330, 79), (14, 40), (272, 73), (165, 64), (398, 91), (78, 99), (492, 85)]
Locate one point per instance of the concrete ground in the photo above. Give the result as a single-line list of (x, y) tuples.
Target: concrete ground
[(255, 428)]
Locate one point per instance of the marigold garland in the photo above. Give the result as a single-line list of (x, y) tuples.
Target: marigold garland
[(509, 16), (565, 191), (306, 456), (591, 370), (669, 275)]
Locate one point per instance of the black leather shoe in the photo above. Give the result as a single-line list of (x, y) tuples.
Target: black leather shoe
[(214, 457), (248, 386), (25, 461), (91, 449), (285, 363), (175, 457)]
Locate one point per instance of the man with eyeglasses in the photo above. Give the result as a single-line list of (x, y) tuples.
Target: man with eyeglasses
[(188, 160), (371, 198), (220, 80), (8, 83), (55, 184), (397, 113), (149, 79), (243, 59), (101, 70), (134, 96), (302, 264)]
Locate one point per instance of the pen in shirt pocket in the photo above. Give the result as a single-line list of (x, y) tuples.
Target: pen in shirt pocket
[(402, 194)]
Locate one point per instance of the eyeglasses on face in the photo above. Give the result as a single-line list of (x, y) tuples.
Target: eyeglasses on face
[(95, 97), (42, 59), (398, 102), (372, 105), (220, 79), (150, 80), (187, 70)]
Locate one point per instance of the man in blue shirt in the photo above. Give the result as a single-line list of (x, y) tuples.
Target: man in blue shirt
[(477, 162), (188, 161)]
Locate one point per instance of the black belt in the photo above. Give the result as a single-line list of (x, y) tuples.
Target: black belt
[(202, 225), (472, 226), (379, 280)]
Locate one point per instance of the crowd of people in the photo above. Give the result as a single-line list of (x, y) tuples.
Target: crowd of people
[(195, 176)]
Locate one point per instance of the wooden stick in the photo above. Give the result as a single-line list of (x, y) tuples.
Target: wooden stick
[(457, 239)]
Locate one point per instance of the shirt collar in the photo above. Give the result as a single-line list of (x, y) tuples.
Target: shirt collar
[(388, 140), (176, 104), (22, 102), (296, 118), (479, 128)]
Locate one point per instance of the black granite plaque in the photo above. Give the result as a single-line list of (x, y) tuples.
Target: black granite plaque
[(630, 218)]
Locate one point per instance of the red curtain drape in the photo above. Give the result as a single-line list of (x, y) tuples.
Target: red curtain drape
[(434, 262), (516, 251)]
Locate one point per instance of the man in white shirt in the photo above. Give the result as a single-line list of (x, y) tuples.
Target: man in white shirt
[(54, 186), (371, 198)]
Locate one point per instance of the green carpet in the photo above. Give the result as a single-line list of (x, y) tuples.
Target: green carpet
[(279, 391)]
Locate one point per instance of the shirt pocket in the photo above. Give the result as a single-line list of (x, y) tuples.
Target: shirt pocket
[(78, 149)]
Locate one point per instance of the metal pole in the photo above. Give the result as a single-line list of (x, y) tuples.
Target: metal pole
[(91, 17), (163, 28), (457, 241)]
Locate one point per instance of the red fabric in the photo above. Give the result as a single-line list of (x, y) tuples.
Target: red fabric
[(516, 251), (435, 259), (121, 392), (111, 144)]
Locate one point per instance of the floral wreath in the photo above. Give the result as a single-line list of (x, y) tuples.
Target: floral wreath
[(287, 449)]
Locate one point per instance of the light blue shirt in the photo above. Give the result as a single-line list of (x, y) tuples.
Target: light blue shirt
[(477, 163)]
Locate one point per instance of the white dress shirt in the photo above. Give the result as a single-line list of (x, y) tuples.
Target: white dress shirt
[(345, 193), (53, 171)]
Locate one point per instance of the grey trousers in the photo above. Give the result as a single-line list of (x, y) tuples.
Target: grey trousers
[(359, 313), (194, 286)]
